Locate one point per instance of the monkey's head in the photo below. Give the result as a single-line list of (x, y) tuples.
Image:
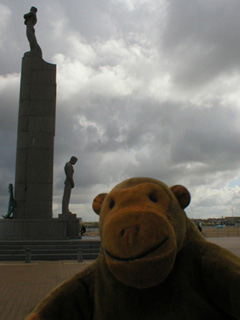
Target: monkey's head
[(142, 227)]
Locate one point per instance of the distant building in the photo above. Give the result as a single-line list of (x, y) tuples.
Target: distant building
[(227, 221)]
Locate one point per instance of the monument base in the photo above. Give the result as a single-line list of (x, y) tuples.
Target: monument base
[(38, 229)]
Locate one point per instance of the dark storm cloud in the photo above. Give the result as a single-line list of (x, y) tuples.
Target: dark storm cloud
[(202, 39), (182, 136)]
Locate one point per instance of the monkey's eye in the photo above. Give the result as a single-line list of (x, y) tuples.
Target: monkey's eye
[(111, 204), (153, 197)]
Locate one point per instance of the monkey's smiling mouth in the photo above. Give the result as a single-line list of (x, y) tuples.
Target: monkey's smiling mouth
[(141, 255)]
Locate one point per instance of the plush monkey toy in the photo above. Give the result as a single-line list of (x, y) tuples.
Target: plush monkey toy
[(154, 264)]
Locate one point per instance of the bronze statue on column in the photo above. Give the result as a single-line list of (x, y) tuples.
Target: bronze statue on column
[(30, 21)]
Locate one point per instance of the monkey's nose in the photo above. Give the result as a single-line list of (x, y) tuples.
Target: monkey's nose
[(130, 238), (132, 230)]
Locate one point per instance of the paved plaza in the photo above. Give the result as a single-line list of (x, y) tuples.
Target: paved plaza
[(22, 285)]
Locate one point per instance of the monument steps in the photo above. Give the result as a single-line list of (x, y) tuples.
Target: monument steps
[(49, 250)]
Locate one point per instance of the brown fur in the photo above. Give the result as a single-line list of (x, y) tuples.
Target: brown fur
[(154, 263)]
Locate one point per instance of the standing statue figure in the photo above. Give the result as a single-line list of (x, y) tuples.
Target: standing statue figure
[(11, 203), (30, 21), (69, 184)]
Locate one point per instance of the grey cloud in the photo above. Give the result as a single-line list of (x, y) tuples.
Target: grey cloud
[(201, 39), (125, 133), (185, 135), (8, 128), (208, 135)]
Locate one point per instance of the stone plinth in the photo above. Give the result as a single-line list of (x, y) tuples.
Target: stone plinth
[(71, 225), (35, 140), (39, 229)]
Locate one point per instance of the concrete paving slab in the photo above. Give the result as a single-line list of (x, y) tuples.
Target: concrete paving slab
[(232, 243)]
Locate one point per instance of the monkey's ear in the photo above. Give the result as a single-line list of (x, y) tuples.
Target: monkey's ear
[(182, 194), (98, 201)]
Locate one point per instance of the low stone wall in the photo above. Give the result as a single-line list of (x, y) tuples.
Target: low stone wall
[(28, 229)]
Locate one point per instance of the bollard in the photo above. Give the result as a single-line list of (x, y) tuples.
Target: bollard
[(28, 255), (80, 255)]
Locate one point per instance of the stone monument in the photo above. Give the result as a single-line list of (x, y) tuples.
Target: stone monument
[(36, 130), (32, 214)]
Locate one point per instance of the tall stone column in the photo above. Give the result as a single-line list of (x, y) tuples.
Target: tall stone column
[(35, 139), (32, 216)]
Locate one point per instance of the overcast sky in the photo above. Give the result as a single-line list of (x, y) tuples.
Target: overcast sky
[(144, 88)]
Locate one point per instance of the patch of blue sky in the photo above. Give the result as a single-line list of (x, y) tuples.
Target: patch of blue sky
[(234, 183)]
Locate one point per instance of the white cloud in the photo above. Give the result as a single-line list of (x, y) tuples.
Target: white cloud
[(132, 5), (73, 77), (9, 82), (215, 202)]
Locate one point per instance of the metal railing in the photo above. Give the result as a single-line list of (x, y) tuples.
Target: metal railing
[(215, 232)]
